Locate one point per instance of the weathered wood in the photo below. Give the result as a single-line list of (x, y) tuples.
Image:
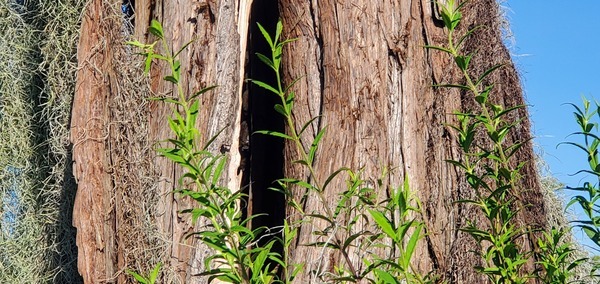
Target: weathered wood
[(367, 74), (89, 132), (213, 59)]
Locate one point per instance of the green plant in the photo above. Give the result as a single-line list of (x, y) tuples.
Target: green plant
[(494, 176), (398, 224), (237, 257), (588, 200), (313, 185), (554, 258), (150, 279), (487, 165), (359, 197)]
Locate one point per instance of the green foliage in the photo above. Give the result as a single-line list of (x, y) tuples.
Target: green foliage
[(554, 258), (150, 279), (396, 219), (237, 259), (357, 202), (588, 195), (392, 224), (489, 171)]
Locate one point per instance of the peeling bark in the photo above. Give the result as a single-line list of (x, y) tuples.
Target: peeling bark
[(212, 59), (366, 75)]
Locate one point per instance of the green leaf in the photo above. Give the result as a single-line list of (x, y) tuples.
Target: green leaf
[(138, 278), (176, 70), (457, 164), (147, 64), (315, 145), (219, 169), (465, 36), (281, 110), (351, 238), (482, 98), (289, 102), (297, 182), (306, 125), (171, 79), (167, 100), (154, 273), (447, 18), (439, 48), (137, 44), (384, 224), (171, 154), (322, 217), (266, 86), (324, 245), (274, 133), (487, 72), (287, 89), (156, 29), (212, 139), (501, 112), (412, 245), (452, 86), (266, 35), (183, 48), (193, 111), (332, 176), (278, 30), (463, 61), (198, 93), (266, 60), (385, 277)]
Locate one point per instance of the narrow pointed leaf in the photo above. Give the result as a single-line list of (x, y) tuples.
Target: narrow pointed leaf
[(274, 133), (266, 35), (486, 73), (266, 86)]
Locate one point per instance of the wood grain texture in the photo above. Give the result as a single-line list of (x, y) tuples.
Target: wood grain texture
[(367, 74), (212, 59), (95, 224)]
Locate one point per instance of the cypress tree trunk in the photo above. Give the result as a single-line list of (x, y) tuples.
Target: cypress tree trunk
[(114, 129), (366, 74), (369, 77)]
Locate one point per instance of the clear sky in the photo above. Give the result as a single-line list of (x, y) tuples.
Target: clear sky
[(555, 45)]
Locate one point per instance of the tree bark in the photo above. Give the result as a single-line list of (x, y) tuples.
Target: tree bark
[(366, 74), (103, 206)]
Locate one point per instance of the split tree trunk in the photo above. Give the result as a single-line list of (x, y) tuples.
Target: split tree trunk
[(366, 74)]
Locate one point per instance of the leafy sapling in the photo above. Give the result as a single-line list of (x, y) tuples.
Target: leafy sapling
[(487, 165), (357, 202), (237, 258), (588, 195)]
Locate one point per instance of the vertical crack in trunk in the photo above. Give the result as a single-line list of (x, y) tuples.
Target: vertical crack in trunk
[(266, 161)]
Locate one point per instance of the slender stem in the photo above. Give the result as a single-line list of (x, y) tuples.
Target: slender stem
[(299, 146)]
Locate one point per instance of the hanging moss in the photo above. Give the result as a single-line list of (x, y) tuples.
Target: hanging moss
[(37, 83)]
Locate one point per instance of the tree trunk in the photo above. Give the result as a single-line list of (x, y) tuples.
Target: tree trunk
[(114, 129), (366, 75)]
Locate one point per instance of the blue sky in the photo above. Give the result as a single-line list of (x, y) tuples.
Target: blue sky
[(555, 46)]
